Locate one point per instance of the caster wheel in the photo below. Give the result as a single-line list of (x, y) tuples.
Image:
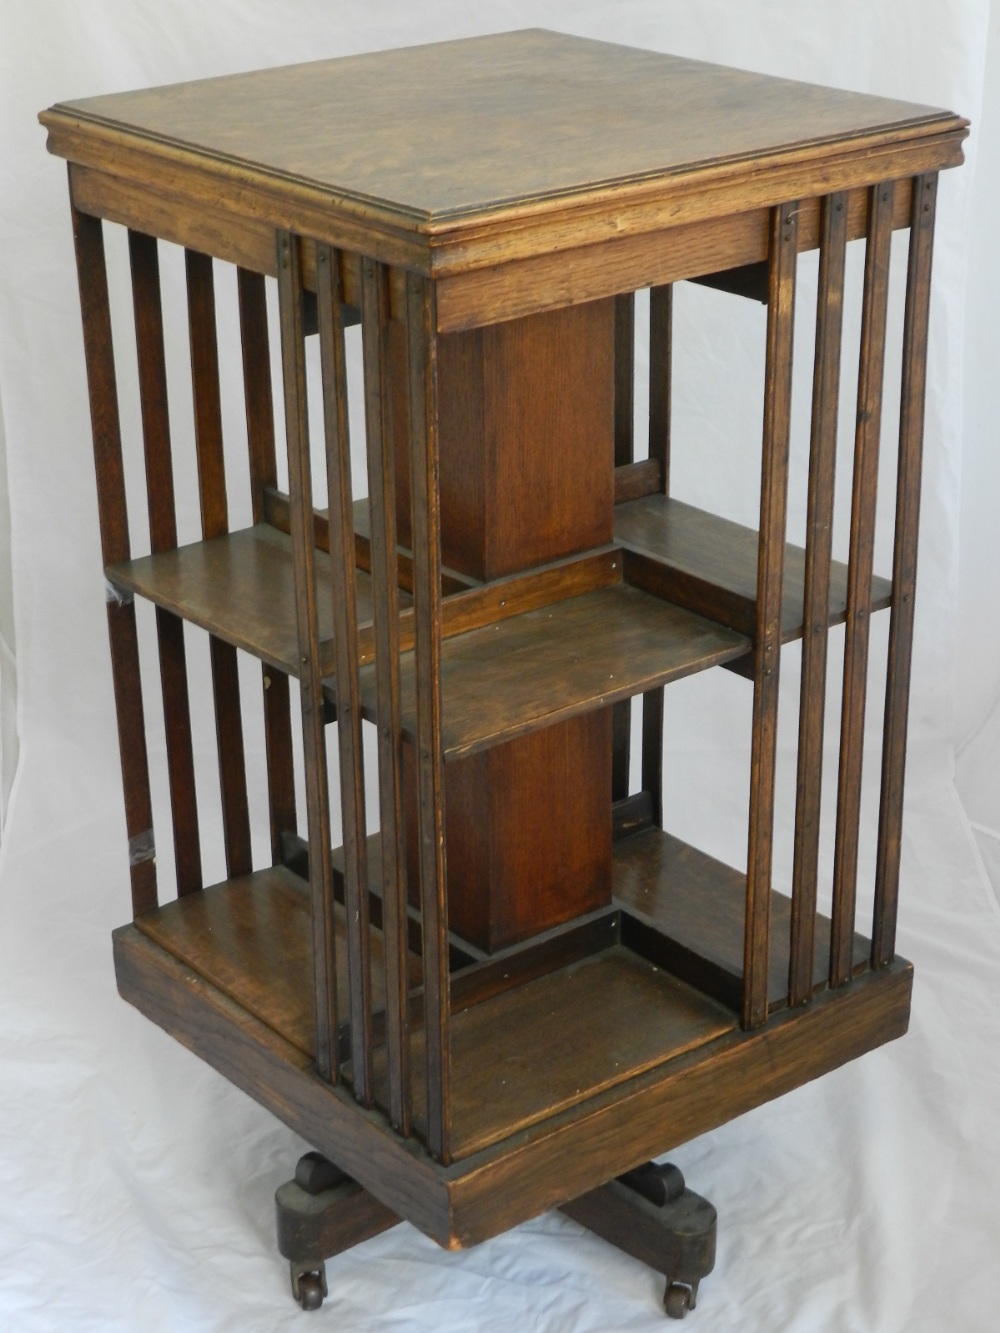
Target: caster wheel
[(677, 1300), (311, 1291)]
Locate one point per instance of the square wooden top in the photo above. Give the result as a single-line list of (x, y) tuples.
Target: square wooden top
[(459, 128)]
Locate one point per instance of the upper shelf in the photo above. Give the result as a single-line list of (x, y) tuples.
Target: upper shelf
[(241, 587), (714, 563), (531, 670)]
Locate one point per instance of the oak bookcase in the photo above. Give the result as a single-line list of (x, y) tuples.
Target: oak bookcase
[(520, 987)]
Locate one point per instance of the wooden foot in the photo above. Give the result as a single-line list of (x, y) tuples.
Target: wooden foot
[(651, 1215), (323, 1212)]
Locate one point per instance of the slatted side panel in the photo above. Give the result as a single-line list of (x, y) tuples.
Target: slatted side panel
[(310, 681), (767, 646), (385, 580), (264, 477), (859, 578), (904, 570), (819, 541), (115, 546), (144, 260), (215, 522), (422, 356)]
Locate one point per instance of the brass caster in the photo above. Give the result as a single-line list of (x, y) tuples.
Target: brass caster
[(309, 1284), (678, 1299)]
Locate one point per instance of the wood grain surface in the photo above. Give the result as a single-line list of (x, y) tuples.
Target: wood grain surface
[(531, 670)]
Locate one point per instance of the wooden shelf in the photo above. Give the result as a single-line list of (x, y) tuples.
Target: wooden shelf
[(241, 587), (696, 906), (251, 937), (532, 670), (531, 1052), (711, 564)]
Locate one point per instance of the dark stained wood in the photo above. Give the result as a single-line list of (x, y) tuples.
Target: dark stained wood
[(631, 815), (405, 169), (634, 480), (695, 904), (215, 523), (527, 440), (544, 666), (911, 428), (558, 1159), (710, 565), (697, 243), (671, 1104), (519, 860), (379, 441), (546, 952), (767, 638), (491, 250), (264, 476), (816, 597), (163, 536), (624, 419), (255, 344), (652, 750), (252, 938), (113, 513), (621, 748), (422, 354), (276, 513), (624, 378), (749, 280), (520, 288), (862, 548), (310, 680), (661, 314), (529, 1053), (241, 588)]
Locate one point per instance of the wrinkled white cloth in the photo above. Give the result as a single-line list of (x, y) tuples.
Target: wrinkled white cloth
[(137, 1184)]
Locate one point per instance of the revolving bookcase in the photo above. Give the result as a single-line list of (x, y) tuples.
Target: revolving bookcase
[(521, 987)]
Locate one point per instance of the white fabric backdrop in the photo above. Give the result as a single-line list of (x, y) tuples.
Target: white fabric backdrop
[(137, 1183)]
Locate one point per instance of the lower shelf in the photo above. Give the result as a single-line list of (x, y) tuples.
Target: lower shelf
[(252, 938), (557, 1159), (695, 905), (653, 979), (532, 1052)]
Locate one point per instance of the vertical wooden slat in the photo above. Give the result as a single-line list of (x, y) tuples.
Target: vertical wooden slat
[(310, 680), (264, 475), (661, 304), (859, 580), (652, 750), (624, 378), (106, 427), (163, 537), (422, 347), (770, 572), (215, 522), (661, 308), (816, 597), (348, 696), (904, 566), (624, 427)]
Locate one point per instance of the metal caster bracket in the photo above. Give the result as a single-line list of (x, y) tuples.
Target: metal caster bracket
[(323, 1212), (650, 1214)]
